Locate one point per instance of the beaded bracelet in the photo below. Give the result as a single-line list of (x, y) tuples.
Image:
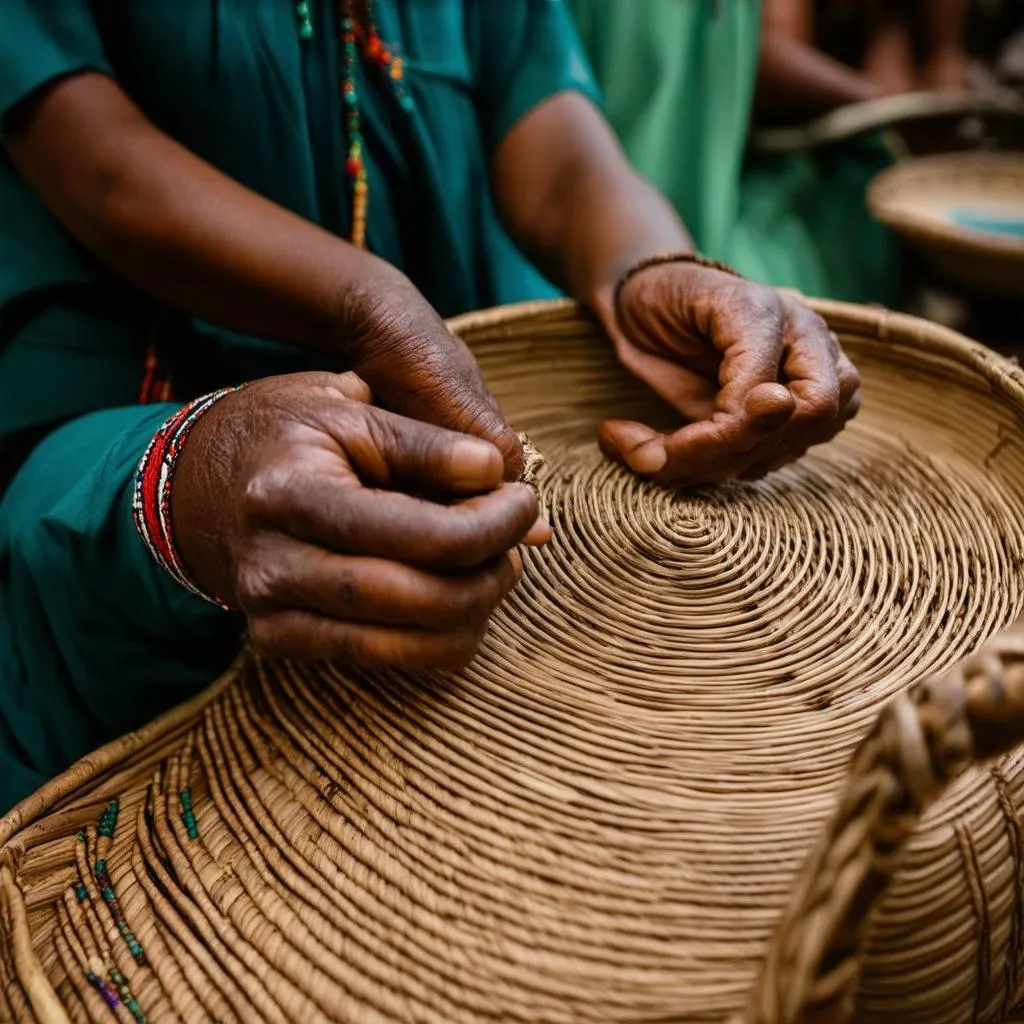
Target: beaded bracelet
[(151, 498), (659, 258)]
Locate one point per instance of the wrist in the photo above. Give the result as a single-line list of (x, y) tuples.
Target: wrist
[(165, 477), (612, 299)]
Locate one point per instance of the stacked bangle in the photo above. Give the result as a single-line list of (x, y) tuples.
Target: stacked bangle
[(151, 499)]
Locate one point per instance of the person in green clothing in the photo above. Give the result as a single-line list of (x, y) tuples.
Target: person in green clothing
[(228, 232), (680, 80)]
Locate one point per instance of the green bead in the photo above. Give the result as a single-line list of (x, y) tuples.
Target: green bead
[(82, 893), (108, 894), (351, 99), (101, 867), (302, 8), (406, 103), (306, 31)]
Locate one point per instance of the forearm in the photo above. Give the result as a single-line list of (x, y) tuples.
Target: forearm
[(606, 225), (582, 214), (797, 80), (945, 24), (182, 231)]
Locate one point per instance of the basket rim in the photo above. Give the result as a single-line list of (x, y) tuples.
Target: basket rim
[(884, 113), (885, 207), (1005, 378)]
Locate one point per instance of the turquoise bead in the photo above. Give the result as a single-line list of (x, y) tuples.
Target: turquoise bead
[(302, 8), (406, 102), (351, 99), (305, 31)]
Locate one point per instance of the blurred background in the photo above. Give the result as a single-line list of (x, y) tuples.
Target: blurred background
[(860, 150)]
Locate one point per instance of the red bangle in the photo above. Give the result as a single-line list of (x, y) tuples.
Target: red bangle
[(151, 500)]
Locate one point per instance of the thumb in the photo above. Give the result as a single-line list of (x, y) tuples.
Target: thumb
[(435, 378), (394, 452)]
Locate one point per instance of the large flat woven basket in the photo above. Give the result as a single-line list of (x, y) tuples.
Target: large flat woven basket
[(682, 782), (926, 200)]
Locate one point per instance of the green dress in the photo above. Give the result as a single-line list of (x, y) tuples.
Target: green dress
[(678, 80), (94, 638)]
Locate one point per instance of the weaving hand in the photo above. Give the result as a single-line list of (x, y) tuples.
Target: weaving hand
[(297, 501), (759, 376)]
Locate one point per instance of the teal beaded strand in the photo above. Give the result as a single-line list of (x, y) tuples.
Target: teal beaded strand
[(188, 818), (105, 836)]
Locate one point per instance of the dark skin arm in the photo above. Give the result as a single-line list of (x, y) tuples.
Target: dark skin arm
[(796, 80), (197, 240), (758, 376)]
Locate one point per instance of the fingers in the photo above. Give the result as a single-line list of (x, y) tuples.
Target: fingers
[(786, 385), (639, 447), (310, 502), (289, 575), (811, 369), (306, 636), (747, 326), (392, 451)]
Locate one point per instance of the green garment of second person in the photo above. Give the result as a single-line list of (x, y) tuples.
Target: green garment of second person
[(678, 78)]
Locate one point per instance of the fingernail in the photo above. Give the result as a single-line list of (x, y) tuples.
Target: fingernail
[(649, 458), (475, 465), (517, 564), (539, 533)]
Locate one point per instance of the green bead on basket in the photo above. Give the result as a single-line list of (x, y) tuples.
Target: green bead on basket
[(188, 818)]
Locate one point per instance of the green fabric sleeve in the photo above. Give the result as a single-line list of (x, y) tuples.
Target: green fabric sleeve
[(42, 40), (95, 639), (523, 51)]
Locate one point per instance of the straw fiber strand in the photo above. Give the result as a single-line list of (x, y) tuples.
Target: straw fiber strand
[(692, 756)]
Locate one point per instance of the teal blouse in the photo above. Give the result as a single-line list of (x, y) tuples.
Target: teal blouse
[(94, 637), (233, 81)]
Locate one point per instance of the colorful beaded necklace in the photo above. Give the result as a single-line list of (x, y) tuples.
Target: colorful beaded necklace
[(359, 36)]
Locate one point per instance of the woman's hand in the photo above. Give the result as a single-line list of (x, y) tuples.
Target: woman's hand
[(346, 532), (760, 377)]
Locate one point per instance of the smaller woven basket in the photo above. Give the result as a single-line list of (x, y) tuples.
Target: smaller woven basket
[(923, 122), (921, 200)]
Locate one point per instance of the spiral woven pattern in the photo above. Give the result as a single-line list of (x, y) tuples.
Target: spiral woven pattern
[(601, 819)]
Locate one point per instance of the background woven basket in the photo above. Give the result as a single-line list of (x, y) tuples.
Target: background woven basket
[(632, 806), (918, 198), (923, 122)]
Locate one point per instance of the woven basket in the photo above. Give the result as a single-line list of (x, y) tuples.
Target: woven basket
[(919, 198), (639, 803), (924, 122)]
